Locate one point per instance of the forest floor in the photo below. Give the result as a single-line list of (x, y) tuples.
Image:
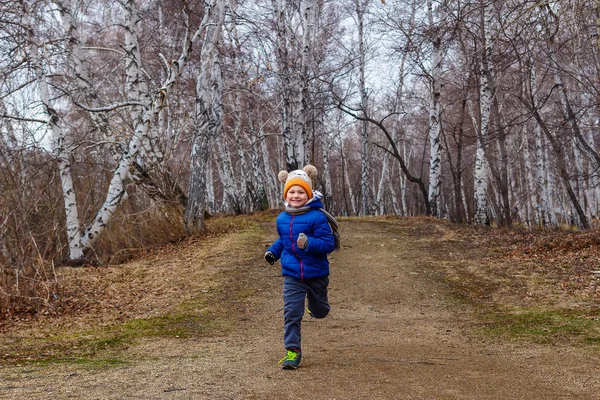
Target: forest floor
[(421, 309)]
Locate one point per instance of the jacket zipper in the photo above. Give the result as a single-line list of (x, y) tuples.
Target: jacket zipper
[(294, 250)]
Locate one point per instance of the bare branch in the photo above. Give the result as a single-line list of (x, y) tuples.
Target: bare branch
[(41, 121)]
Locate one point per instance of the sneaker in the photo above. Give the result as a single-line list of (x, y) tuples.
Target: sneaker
[(291, 360), (309, 312)]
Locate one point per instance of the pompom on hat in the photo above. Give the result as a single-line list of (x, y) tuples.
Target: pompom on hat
[(301, 177)]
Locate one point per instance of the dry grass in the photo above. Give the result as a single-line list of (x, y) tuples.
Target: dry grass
[(181, 289)]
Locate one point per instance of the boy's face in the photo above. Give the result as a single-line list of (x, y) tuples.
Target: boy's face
[(296, 196)]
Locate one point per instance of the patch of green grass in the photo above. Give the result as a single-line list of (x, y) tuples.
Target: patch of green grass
[(177, 326), (92, 347), (544, 326)]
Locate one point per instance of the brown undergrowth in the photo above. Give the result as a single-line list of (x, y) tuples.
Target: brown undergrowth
[(183, 289), (568, 259), (541, 286)]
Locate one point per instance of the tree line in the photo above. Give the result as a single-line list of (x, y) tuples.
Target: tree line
[(127, 122)]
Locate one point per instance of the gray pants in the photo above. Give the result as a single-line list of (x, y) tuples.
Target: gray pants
[(295, 291)]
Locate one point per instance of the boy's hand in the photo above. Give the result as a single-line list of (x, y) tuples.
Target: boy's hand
[(302, 241), (270, 257)]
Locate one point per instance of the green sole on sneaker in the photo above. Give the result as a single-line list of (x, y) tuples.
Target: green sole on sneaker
[(291, 360)]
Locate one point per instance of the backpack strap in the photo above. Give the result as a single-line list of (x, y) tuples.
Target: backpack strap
[(334, 229)]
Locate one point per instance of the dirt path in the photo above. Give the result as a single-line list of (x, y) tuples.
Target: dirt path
[(393, 333)]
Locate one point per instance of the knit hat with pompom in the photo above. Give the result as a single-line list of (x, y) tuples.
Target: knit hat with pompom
[(301, 177)]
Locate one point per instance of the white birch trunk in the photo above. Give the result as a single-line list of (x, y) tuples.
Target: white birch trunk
[(435, 160), (383, 183), (208, 120), (348, 185), (135, 83), (260, 193), (550, 185), (540, 175), (485, 95), (463, 197), (241, 155), (533, 214), (63, 157), (481, 181), (326, 170), (60, 150), (403, 181), (288, 86), (365, 206), (400, 207), (395, 203), (578, 173), (301, 108), (140, 117), (8, 136), (545, 206), (230, 200), (271, 176), (210, 188)]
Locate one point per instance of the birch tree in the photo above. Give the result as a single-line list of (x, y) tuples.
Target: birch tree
[(60, 146), (289, 88), (545, 204), (435, 117), (208, 120), (485, 101), (361, 9)]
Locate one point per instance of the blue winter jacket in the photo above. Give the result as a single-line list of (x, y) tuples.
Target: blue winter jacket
[(312, 261)]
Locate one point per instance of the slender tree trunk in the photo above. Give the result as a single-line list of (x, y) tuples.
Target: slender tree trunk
[(63, 158), (501, 174), (60, 149), (271, 176), (461, 211), (241, 154), (326, 172), (289, 86), (208, 121), (403, 181), (231, 202), (383, 183), (532, 212), (302, 107), (401, 207), (435, 161), (545, 206), (259, 192), (485, 101), (353, 210), (365, 206)]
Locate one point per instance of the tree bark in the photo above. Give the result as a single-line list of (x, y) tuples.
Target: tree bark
[(435, 122), (365, 198), (208, 120)]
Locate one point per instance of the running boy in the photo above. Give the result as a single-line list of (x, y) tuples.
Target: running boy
[(305, 239)]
